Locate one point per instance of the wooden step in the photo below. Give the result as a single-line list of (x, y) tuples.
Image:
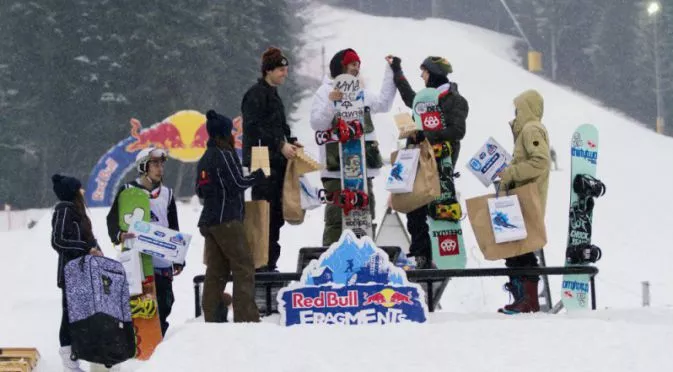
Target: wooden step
[(21, 365), (18, 358)]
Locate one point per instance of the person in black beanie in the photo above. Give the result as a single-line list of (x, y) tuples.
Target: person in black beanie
[(221, 185), (454, 107), (265, 124), (72, 237)]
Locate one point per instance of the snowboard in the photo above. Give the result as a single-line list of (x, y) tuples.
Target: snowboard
[(426, 111), (352, 153), (134, 204), (446, 234), (584, 155)]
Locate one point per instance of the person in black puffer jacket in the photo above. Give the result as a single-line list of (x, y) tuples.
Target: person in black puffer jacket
[(221, 185), (454, 107), (72, 237)]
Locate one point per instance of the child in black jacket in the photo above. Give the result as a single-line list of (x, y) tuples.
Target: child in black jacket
[(71, 237)]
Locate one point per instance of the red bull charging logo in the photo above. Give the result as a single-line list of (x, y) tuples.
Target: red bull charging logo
[(353, 282), (182, 134)]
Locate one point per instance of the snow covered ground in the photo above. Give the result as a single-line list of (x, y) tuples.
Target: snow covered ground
[(631, 225)]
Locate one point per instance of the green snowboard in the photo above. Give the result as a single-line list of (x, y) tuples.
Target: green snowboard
[(446, 237), (446, 234), (426, 111), (134, 204)]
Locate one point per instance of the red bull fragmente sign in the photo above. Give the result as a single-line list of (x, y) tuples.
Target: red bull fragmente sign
[(352, 283)]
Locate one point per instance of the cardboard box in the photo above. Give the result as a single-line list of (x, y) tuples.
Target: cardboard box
[(160, 241), (489, 161)]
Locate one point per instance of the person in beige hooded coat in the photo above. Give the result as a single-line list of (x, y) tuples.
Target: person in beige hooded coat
[(530, 164)]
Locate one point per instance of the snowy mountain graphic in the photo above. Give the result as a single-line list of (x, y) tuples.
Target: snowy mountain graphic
[(350, 261)]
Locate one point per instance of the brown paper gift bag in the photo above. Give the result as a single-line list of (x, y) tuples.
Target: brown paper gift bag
[(531, 208), (259, 159), (292, 211), (305, 164), (426, 185), (256, 226)]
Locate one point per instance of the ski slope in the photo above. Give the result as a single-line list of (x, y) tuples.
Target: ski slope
[(631, 224)]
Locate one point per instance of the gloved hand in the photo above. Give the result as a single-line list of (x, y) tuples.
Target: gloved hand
[(258, 175), (395, 64)]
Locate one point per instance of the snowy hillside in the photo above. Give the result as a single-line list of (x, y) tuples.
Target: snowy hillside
[(631, 225)]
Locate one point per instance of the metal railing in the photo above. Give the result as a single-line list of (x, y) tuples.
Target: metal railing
[(431, 278)]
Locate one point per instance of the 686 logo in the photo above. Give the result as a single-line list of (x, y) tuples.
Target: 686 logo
[(448, 245)]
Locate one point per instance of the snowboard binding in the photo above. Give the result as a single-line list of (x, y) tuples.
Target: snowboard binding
[(446, 212), (342, 132), (348, 131), (442, 150), (583, 253), (588, 186), (346, 199), (144, 308)]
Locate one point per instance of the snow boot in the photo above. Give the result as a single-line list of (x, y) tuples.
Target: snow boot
[(528, 303), (515, 288), (69, 365), (95, 367)]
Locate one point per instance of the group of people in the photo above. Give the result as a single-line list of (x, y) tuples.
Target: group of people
[(221, 181), (72, 234)]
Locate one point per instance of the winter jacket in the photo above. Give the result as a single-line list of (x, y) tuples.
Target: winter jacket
[(323, 115), (265, 124), (221, 185), (162, 212), (530, 160), (454, 107), (66, 237)]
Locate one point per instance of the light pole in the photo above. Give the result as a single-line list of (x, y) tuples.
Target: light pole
[(653, 10)]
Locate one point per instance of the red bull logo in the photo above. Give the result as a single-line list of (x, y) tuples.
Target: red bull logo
[(388, 298), (182, 134), (325, 299)]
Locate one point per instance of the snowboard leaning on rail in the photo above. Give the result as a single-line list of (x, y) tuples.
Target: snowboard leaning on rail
[(583, 189)]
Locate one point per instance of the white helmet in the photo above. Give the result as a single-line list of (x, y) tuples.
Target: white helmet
[(147, 154)]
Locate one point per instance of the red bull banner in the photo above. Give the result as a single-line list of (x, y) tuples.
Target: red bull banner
[(182, 134), (352, 283)]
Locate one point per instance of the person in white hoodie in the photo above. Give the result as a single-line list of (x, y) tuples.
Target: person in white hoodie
[(323, 117)]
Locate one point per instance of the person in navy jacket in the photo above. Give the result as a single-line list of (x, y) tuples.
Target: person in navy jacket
[(221, 185), (72, 237)]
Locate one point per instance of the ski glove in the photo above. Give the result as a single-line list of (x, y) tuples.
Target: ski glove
[(258, 175), (396, 66)]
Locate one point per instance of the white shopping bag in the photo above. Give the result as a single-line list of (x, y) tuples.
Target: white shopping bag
[(403, 171), (134, 270), (309, 195), (507, 219), (489, 161)]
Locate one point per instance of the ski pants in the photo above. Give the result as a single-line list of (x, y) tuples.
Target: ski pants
[(163, 280), (64, 332), (525, 260), (271, 190), (333, 214), (227, 253), (420, 233)]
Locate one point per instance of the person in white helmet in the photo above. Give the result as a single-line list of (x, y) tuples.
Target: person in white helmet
[(150, 167)]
